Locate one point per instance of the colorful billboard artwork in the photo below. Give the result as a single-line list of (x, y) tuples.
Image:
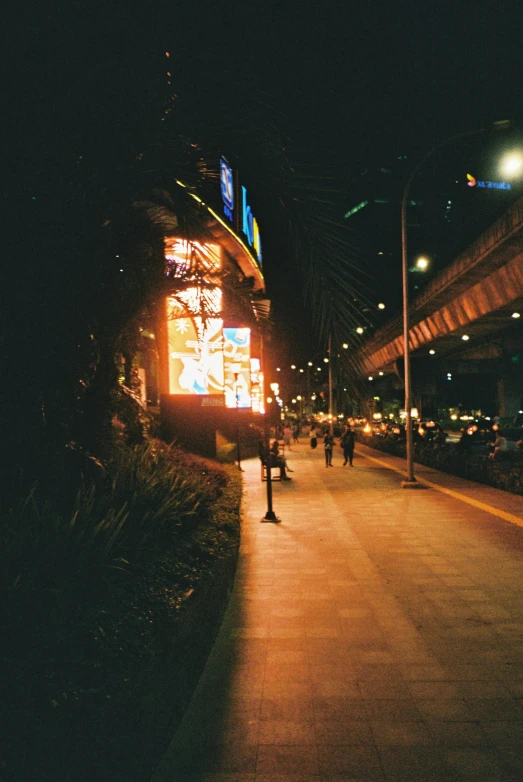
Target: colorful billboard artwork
[(237, 370), (194, 332), (257, 386), (195, 353)]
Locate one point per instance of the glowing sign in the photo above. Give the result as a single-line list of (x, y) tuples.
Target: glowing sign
[(473, 182), (195, 355), (227, 188), (236, 359), (257, 393), (194, 328), (250, 226)]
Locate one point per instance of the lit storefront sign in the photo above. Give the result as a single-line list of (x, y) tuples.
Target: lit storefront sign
[(194, 333), (237, 368), (203, 357), (247, 221), (257, 392), (473, 182), (227, 188), (250, 226)]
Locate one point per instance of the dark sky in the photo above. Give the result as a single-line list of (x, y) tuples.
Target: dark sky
[(353, 76), (347, 83), (359, 83)]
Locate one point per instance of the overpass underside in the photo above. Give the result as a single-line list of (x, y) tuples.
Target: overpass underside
[(475, 296)]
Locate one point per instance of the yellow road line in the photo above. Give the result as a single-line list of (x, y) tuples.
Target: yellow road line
[(510, 517)]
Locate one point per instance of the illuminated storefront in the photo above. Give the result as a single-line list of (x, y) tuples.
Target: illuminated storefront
[(194, 325), (209, 377)]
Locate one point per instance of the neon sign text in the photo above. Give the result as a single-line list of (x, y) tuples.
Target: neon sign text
[(227, 188), (473, 182), (250, 226)]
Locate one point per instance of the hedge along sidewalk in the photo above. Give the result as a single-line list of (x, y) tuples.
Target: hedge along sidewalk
[(148, 642), (502, 504)]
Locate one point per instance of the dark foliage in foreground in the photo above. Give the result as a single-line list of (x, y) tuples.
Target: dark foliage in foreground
[(108, 615)]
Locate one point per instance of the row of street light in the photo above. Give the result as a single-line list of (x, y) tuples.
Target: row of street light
[(512, 166)]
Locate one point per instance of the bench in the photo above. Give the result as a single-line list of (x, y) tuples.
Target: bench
[(263, 464)]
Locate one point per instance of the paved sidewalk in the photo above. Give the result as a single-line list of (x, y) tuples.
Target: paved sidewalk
[(375, 634)]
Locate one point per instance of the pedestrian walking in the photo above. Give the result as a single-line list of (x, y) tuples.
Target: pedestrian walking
[(313, 437), (328, 444), (347, 443)]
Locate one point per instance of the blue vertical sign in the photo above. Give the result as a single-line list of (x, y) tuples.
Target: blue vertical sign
[(227, 188), (250, 226)]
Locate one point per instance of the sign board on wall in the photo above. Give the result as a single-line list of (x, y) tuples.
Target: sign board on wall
[(227, 188), (231, 200), (195, 353), (194, 330), (237, 369)]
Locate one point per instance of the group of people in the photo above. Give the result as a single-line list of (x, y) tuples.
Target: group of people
[(347, 440), (277, 459)]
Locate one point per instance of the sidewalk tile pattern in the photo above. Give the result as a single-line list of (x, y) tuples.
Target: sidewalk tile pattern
[(375, 634)]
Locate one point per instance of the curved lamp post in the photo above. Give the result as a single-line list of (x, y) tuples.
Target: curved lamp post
[(411, 480)]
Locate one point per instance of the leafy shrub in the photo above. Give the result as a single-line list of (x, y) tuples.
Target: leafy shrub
[(95, 650), (151, 497), (505, 473)]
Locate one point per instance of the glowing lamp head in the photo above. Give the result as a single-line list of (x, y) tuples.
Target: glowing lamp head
[(512, 164)]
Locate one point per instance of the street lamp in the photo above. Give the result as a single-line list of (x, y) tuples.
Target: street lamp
[(236, 369), (411, 480), (512, 164)]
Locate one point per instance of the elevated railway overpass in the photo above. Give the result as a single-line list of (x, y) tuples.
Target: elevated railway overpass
[(475, 297)]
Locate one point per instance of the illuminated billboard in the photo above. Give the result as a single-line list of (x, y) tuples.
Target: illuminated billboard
[(194, 332), (237, 368), (195, 353), (257, 393)]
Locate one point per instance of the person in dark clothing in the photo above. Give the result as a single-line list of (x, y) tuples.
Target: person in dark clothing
[(277, 460), (347, 443), (328, 444)]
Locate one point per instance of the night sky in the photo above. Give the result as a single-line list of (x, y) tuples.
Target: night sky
[(341, 87)]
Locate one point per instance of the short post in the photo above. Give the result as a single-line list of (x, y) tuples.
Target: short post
[(270, 515), (237, 395)]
